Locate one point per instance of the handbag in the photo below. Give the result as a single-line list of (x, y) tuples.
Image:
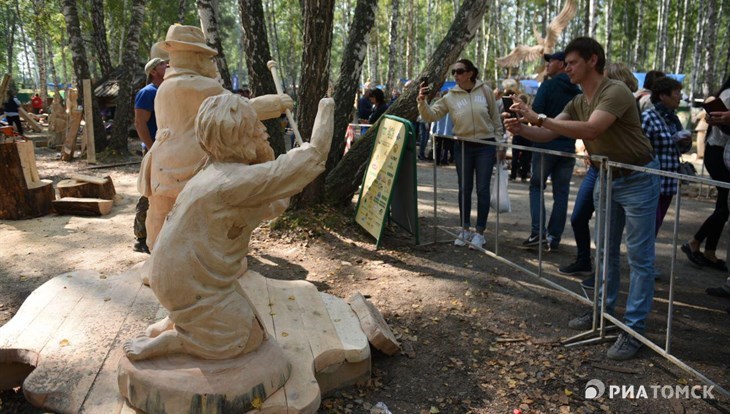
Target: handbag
[(499, 186), (685, 167)]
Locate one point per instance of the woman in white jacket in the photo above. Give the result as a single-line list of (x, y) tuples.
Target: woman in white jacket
[(474, 112)]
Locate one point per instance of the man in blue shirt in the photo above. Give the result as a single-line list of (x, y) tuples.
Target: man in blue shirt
[(551, 98), (146, 125)]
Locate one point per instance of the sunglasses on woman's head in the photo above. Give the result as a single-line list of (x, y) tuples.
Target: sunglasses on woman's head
[(460, 71)]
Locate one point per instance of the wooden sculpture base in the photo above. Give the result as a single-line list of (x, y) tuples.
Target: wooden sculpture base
[(73, 327)]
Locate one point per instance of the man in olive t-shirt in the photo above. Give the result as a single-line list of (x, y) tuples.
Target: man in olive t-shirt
[(605, 117)]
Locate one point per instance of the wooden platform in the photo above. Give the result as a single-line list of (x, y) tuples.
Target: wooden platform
[(72, 328)]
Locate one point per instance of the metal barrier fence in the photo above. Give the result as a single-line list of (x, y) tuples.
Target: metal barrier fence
[(603, 214)]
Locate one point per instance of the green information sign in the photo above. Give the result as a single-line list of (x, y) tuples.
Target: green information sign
[(389, 185)]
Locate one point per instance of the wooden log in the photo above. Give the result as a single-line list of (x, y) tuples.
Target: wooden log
[(22, 193), (89, 121), (82, 206), (85, 189), (69, 144), (4, 83), (29, 119), (374, 325)]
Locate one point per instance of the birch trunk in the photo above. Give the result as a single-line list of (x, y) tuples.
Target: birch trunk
[(130, 64), (710, 39), (429, 33), (81, 68), (256, 45), (696, 54), (348, 81), (393, 45), (682, 47), (39, 34), (64, 61), (101, 46), (609, 28), (181, 11), (373, 58), (344, 179), (54, 73), (638, 46), (411, 49), (23, 40), (209, 17), (318, 19), (10, 24)]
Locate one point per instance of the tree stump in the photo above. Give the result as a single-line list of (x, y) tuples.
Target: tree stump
[(79, 187), (22, 193), (82, 206)]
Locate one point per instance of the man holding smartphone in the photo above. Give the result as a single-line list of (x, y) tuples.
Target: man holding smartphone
[(551, 98)]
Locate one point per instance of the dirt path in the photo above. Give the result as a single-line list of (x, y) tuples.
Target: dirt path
[(478, 336)]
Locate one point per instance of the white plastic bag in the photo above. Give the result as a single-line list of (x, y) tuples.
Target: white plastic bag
[(500, 188)]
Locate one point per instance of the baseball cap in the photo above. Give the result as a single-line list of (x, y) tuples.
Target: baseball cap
[(151, 65), (556, 55)]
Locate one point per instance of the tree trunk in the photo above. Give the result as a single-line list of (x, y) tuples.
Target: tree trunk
[(256, 45), (429, 33), (373, 57), (639, 30), (181, 11), (411, 49), (101, 46), (609, 27), (123, 115), (81, 67), (63, 57), (710, 39), (661, 58), (393, 46), (344, 179), (24, 41), (39, 34), (10, 20), (318, 18), (209, 17), (54, 74), (682, 48), (696, 55), (348, 81)]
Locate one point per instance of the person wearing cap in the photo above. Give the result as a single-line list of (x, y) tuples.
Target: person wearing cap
[(192, 77), (146, 125), (552, 96)]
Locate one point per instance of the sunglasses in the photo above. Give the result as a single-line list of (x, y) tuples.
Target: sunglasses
[(459, 71)]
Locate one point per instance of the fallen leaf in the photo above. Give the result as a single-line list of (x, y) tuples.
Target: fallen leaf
[(434, 410), (284, 334), (64, 342)]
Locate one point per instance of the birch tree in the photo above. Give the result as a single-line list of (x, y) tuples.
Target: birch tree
[(708, 44), (209, 17), (393, 46), (348, 81), (9, 18), (130, 66), (342, 182), (181, 11), (24, 42), (608, 13), (101, 46), (81, 68), (682, 46), (39, 33), (256, 45), (318, 18), (696, 55), (638, 46)]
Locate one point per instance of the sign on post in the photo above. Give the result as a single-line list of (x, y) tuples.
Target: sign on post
[(389, 185)]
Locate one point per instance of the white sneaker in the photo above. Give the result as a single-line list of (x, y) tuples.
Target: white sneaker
[(477, 240), (464, 237)]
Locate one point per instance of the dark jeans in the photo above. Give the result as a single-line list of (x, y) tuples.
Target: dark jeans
[(582, 213), (713, 226), (15, 120), (140, 231), (444, 150), (521, 159), (423, 140), (479, 160), (665, 200)]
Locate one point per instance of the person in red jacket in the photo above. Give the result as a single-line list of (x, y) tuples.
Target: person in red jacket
[(37, 103)]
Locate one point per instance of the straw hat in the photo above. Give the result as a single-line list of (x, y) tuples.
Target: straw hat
[(151, 65), (187, 39)]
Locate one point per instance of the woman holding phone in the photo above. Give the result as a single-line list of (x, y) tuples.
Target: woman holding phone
[(474, 112)]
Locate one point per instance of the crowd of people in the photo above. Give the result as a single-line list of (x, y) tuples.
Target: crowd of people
[(584, 99)]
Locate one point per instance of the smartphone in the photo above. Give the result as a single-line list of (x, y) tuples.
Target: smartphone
[(507, 103), (424, 79)]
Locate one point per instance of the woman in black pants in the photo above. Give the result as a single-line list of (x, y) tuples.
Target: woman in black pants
[(712, 228)]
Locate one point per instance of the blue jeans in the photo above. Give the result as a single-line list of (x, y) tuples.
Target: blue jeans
[(423, 139), (582, 213), (478, 160), (560, 169), (633, 205)]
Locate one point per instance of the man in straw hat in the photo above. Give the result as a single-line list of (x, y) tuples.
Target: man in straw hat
[(146, 125), (173, 160)]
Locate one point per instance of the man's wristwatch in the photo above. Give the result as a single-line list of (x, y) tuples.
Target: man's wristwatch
[(540, 119)]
